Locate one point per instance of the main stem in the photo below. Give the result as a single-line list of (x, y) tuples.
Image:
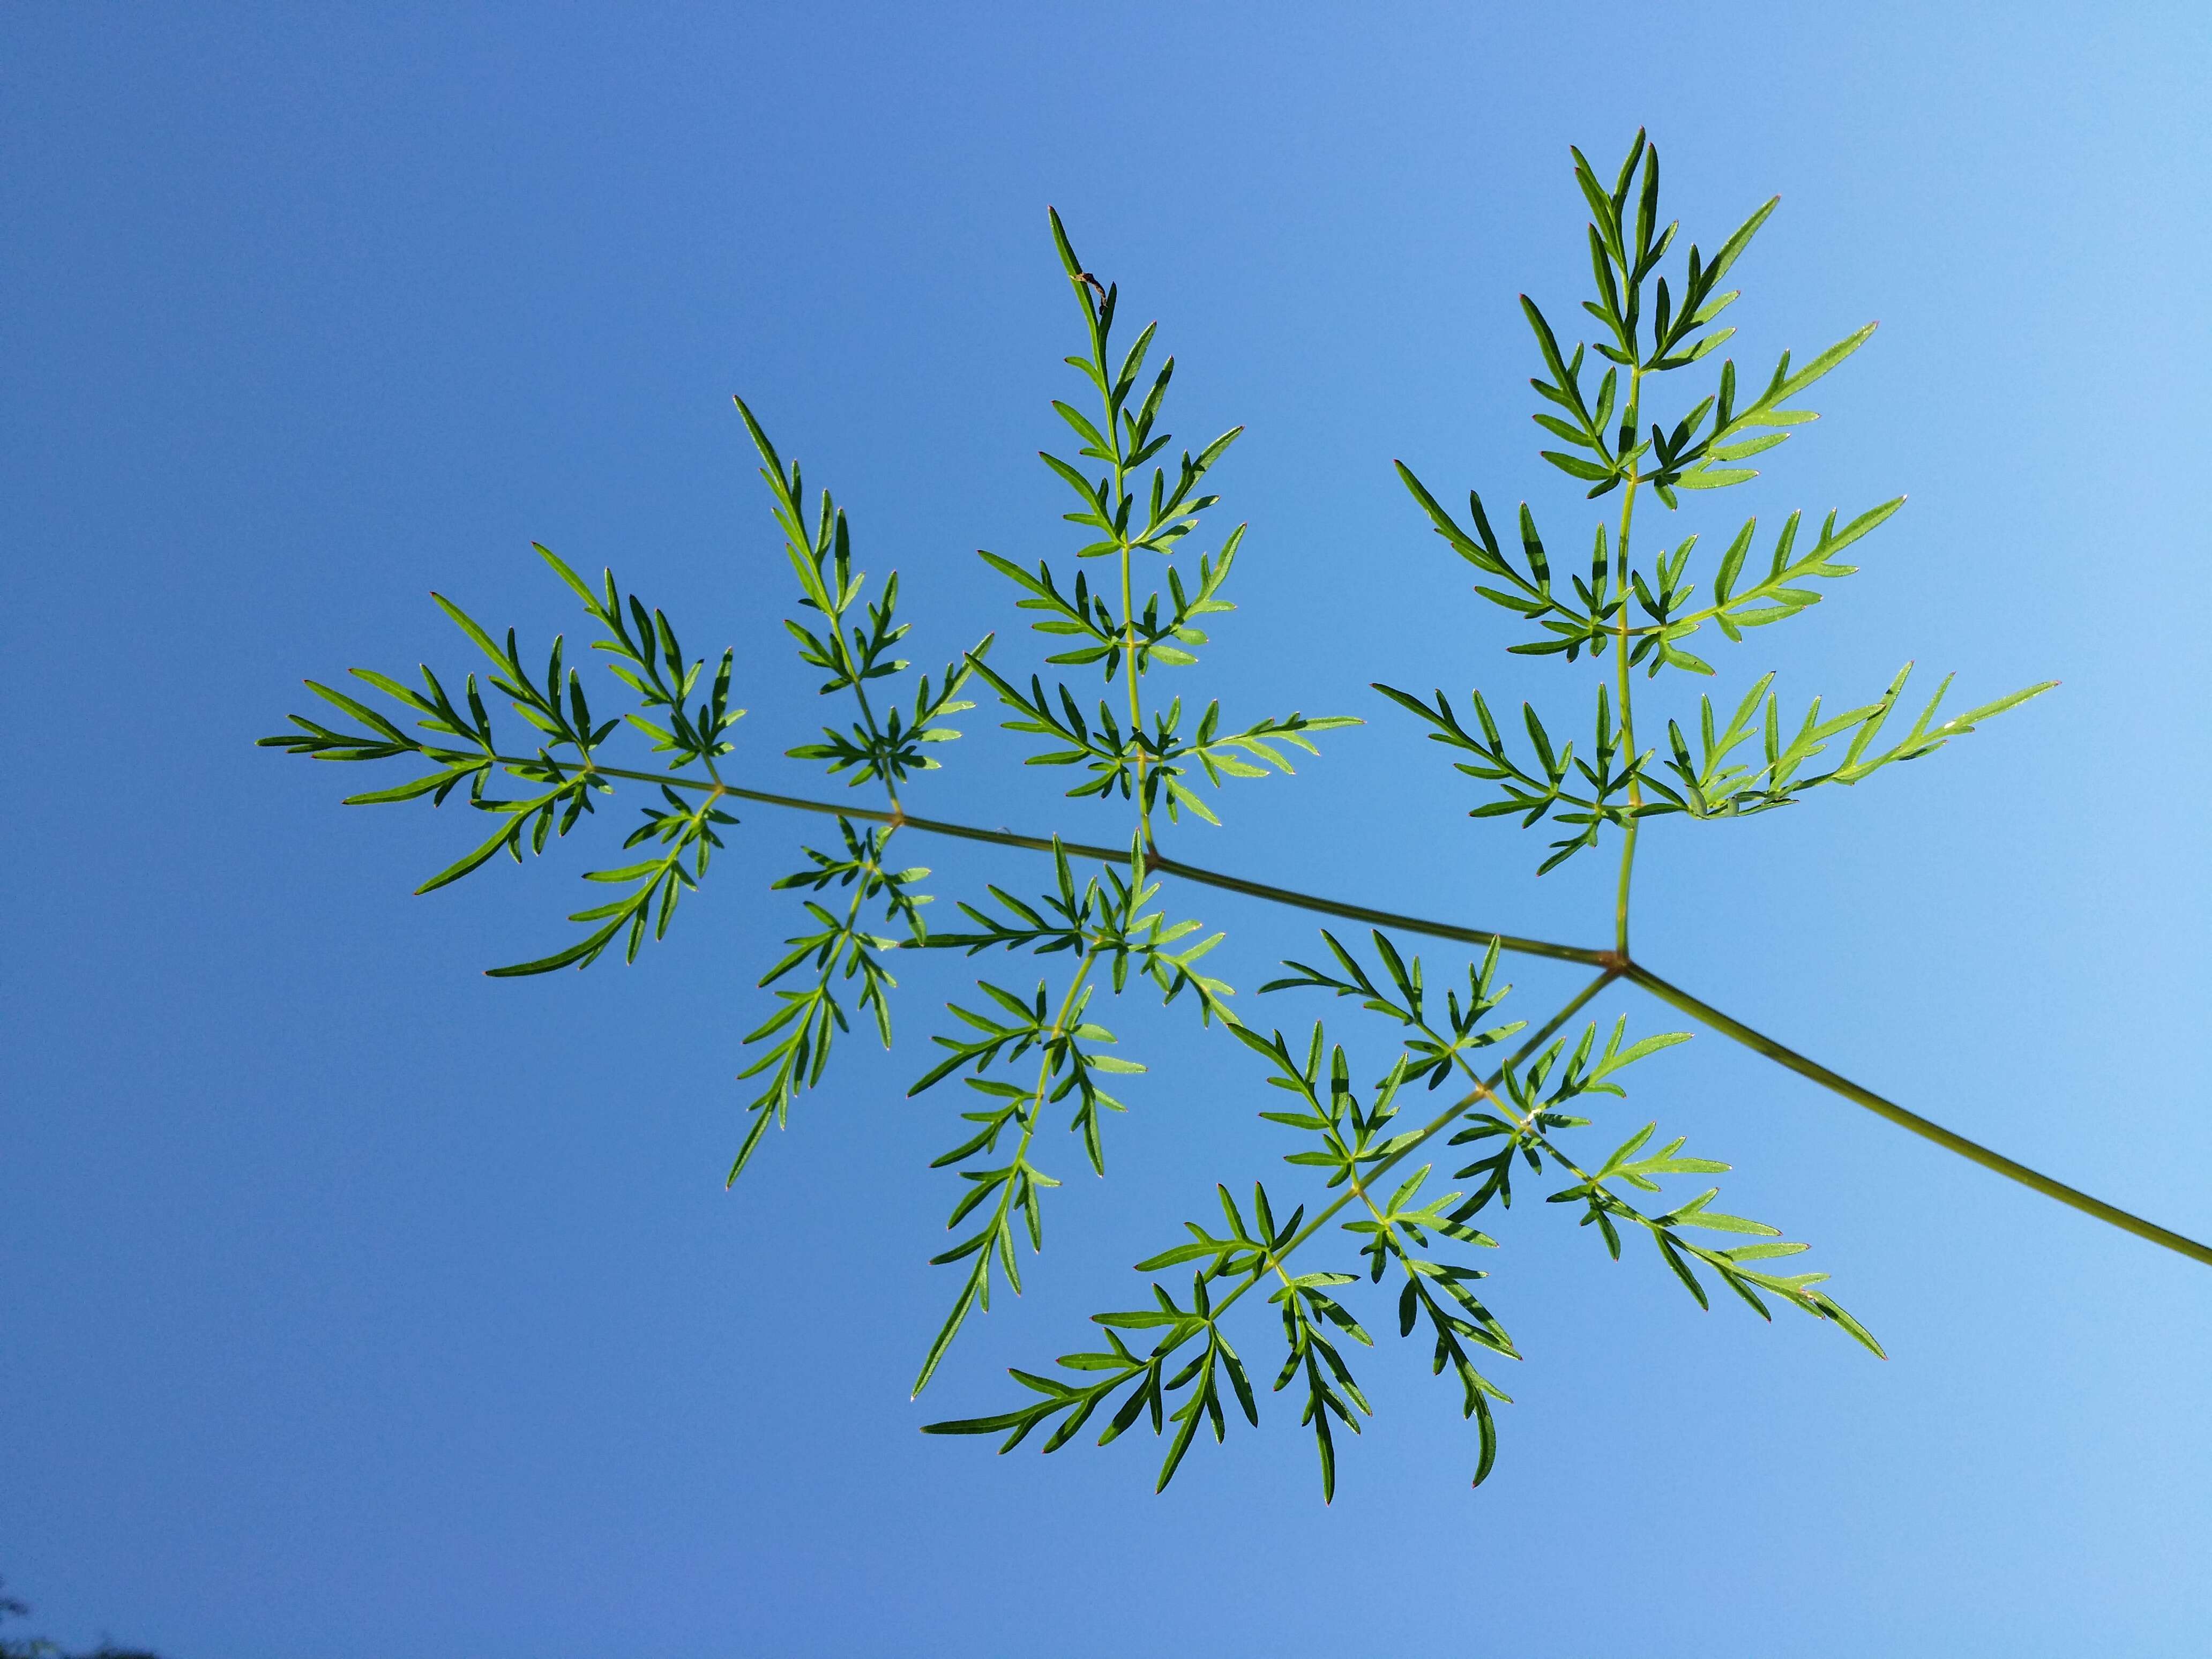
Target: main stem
[(1128, 611), (2073, 1197), (1616, 964)]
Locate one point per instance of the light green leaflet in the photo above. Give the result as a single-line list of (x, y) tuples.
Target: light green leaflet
[(1126, 715)]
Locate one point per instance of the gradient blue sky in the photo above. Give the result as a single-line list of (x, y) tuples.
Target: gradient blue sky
[(353, 1304)]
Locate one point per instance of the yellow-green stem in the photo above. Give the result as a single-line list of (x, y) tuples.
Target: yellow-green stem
[(1155, 862), (1129, 668), (1621, 591), (1616, 964), (2010, 1168), (875, 735)]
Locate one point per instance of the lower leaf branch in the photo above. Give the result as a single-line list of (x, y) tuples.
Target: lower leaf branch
[(1522, 1128), (1534, 1102), (1016, 1183), (1614, 962), (1122, 1366), (1436, 1125)]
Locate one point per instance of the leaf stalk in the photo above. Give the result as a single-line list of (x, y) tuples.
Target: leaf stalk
[(1912, 1123)]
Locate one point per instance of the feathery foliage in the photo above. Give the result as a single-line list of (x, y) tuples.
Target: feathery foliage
[(1369, 1205)]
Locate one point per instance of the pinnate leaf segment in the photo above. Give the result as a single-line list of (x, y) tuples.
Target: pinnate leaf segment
[(1367, 1199)]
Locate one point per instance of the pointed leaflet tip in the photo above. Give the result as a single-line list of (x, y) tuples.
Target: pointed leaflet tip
[(1060, 241), (759, 436)]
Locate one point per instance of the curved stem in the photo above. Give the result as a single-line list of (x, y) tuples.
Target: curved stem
[(1129, 668), (1616, 964), (1621, 590), (1973, 1151), (875, 743), (1153, 861)]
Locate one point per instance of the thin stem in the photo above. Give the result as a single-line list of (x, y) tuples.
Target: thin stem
[(1129, 603), (1674, 996), (1129, 668), (875, 743), (1621, 590), (1615, 964), (1153, 861), (1620, 899)]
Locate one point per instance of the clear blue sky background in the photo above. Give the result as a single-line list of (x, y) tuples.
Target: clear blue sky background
[(353, 1304)]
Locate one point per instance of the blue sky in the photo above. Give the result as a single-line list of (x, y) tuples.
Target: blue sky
[(355, 1302)]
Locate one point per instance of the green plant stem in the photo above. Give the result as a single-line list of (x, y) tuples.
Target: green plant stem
[(875, 742), (1621, 590), (1706, 1014), (1153, 861), (1129, 667), (1113, 431), (1620, 900), (1615, 963)]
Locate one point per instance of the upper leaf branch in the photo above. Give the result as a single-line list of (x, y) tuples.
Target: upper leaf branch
[(1532, 1107), (1141, 759)]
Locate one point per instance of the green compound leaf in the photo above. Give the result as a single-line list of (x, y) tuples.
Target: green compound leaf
[(1362, 1119)]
